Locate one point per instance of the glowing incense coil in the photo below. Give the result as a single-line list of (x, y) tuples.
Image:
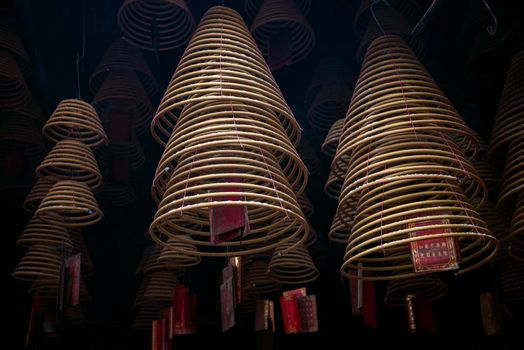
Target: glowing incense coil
[(170, 256), (71, 160), (156, 25), (329, 147), (253, 6), (70, 204), (429, 285), (222, 62), (38, 192), (122, 55), (75, 120), (15, 93), (40, 262), (38, 232), (292, 265)]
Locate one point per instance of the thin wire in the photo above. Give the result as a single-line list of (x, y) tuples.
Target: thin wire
[(78, 75), (375, 17), (491, 29)]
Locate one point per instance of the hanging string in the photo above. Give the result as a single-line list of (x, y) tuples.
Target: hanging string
[(79, 93), (375, 17), (491, 29)]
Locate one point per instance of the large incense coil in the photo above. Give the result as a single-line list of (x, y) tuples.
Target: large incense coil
[(392, 23), (253, 6), (39, 262), (333, 186), (147, 313), (339, 232), (154, 263), (292, 265), (329, 104), (38, 232), (71, 160), (329, 147), (310, 157), (122, 91), (10, 42), (160, 286), (70, 204), (394, 207), (221, 121), (21, 134), (257, 280), (171, 257), (79, 246), (305, 205), (330, 70), (15, 93), (156, 25), (508, 124), (204, 173), (48, 289), (38, 192), (496, 219), (118, 195), (75, 120), (122, 55), (489, 174), (513, 174), (275, 16), (428, 285), (516, 230), (222, 62)]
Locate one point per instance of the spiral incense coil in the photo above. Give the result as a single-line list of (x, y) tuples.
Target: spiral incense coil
[(171, 257), (79, 246), (496, 219), (489, 174), (75, 315), (516, 229), (277, 16), (305, 204), (122, 91), (38, 192), (48, 289), (147, 313), (329, 104), (395, 211), (10, 43), (257, 281), (329, 147), (225, 122), (513, 174), (122, 55), (15, 93), (156, 25), (32, 111), (474, 148), (330, 70), (131, 150), (338, 232), (143, 260), (333, 186), (292, 265), (154, 263), (40, 262), (21, 134), (41, 233), (70, 204), (75, 120), (118, 195), (508, 122), (72, 160), (310, 158), (222, 62), (511, 279), (253, 6), (203, 174), (429, 285), (160, 286)]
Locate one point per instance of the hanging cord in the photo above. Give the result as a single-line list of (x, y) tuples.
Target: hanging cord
[(426, 17), (491, 29), (80, 55), (375, 17)]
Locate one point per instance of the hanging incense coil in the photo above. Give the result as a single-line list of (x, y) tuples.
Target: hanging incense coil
[(496, 219), (338, 232), (160, 286), (511, 279), (330, 70), (399, 210), (276, 16), (21, 135), (147, 313), (154, 263), (329, 104), (32, 111), (329, 147), (75, 315), (122, 55), (156, 25), (118, 195), (38, 192), (170, 256), (79, 246), (40, 262), (292, 265), (257, 281), (253, 6), (15, 93), (123, 91), (10, 43), (70, 204), (489, 174), (131, 150), (48, 289), (305, 205), (516, 229), (75, 120), (333, 186), (429, 285), (38, 232), (72, 160), (310, 158), (513, 175), (222, 62)]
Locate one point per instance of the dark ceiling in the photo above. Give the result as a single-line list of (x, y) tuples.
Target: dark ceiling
[(56, 31)]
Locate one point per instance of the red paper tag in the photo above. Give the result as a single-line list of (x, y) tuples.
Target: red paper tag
[(423, 312), (228, 274), (299, 292), (181, 309), (279, 46), (35, 322), (158, 341), (227, 307), (73, 265), (290, 314), (355, 293), (168, 316), (120, 127), (262, 316), (308, 313), (236, 262), (369, 304)]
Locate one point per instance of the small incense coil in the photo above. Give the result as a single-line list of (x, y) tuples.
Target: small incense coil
[(156, 25), (333, 186), (21, 134), (131, 150), (203, 173), (275, 16), (75, 315), (330, 102), (253, 6), (395, 207), (257, 280), (10, 42), (71, 160), (143, 260), (118, 195), (40, 262), (338, 232), (122, 55), (79, 246), (429, 285), (222, 62), (123, 91), (38, 192), (511, 278), (75, 120), (508, 125), (305, 205), (310, 157), (70, 204), (160, 286), (15, 93), (49, 289), (154, 263), (171, 257), (330, 70), (329, 147), (312, 238), (513, 174), (147, 313), (32, 111), (292, 265), (38, 232)]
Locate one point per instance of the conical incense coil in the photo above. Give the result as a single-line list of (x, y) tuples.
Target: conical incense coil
[(156, 25), (49, 289), (70, 204), (516, 230), (71, 160), (40, 262), (198, 183), (222, 62), (310, 157), (330, 70), (329, 147), (429, 285), (292, 265), (511, 279), (75, 120), (131, 150), (15, 93), (79, 246), (20, 134), (38, 192), (338, 232), (147, 313), (170, 256), (38, 232), (253, 6), (333, 186), (496, 219), (122, 55), (489, 174), (312, 237), (123, 91), (329, 104), (10, 42), (154, 263), (118, 195), (257, 281), (513, 174), (160, 286), (399, 210), (32, 111), (305, 205)]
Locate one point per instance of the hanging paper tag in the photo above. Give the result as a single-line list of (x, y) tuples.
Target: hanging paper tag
[(279, 46), (420, 315), (180, 309), (369, 308), (120, 126), (296, 293), (262, 315), (158, 341), (490, 314), (228, 274), (236, 262), (290, 314), (73, 265), (308, 313), (35, 322), (227, 308)]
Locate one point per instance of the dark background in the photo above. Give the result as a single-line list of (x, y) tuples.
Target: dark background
[(53, 34)]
